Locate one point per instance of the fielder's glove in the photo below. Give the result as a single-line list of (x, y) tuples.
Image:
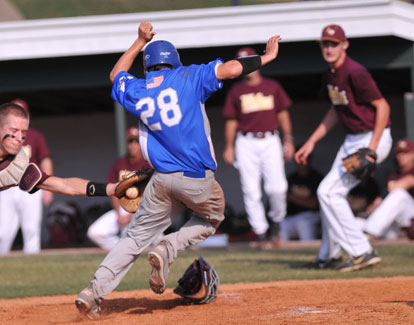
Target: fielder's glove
[(131, 188), (199, 284), (361, 163)]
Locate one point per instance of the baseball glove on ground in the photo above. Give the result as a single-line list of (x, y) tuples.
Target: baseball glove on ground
[(130, 189), (199, 284), (361, 163)]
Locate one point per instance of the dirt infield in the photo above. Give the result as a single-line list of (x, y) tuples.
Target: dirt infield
[(343, 301)]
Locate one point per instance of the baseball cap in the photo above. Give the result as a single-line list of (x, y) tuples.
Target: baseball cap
[(21, 103), (404, 145), (132, 133), (245, 51), (333, 33)]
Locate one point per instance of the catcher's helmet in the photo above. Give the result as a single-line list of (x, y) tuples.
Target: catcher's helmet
[(199, 284), (161, 52)]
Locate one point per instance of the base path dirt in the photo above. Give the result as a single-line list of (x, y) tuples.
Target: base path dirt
[(343, 301)]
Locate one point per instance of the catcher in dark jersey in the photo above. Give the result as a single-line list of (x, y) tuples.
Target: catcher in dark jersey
[(19, 209), (360, 107), (15, 169)]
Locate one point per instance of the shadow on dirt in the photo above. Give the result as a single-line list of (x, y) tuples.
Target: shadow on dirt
[(138, 306)]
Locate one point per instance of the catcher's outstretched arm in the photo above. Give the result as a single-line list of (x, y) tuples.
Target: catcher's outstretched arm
[(72, 186)]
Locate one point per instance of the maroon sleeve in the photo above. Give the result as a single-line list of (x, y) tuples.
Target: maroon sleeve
[(43, 178), (282, 100), (230, 105), (38, 146), (113, 174), (365, 88)]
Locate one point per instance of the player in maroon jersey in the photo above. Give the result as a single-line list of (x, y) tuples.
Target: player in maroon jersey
[(255, 109), (17, 170), (25, 210), (359, 106)]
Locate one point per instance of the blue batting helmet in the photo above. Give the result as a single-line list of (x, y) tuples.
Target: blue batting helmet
[(161, 52)]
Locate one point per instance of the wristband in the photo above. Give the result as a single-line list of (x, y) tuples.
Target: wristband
[(250, 63), (96, 189)]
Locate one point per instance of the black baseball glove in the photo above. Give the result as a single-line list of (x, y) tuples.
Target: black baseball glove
[(361, 163), (199, 284)]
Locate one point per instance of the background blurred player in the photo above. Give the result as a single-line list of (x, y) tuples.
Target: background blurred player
[(21, 209), (106, 230), (364, 113), (303, 219), (254, 109), (175, 139), (396, 204)]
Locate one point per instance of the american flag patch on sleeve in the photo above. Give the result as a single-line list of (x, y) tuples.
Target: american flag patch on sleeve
[(154, 82)]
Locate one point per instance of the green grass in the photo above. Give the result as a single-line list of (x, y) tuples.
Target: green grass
[(68, 274), (37, 9)]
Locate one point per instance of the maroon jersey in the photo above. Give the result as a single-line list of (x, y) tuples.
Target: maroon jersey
[(35, 146), (350, 89), (121, 165), (396, 176), (256, 107)]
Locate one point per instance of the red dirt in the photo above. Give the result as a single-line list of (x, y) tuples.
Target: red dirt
[(343, 301)]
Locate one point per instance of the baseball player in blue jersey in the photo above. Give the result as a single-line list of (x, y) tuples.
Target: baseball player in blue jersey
[(175, 139)]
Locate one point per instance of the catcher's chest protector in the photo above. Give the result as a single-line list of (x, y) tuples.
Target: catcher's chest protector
[(12, 174)]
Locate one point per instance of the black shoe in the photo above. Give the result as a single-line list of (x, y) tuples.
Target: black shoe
[(274, 231), (259, 241), (357, 263), (319, 264)]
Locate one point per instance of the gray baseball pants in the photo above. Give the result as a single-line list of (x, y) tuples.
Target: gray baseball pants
[(164, 194)]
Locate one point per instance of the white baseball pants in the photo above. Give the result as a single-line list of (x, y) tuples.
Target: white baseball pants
[(397, 206), (20, 209), (339, 227), (257, 159), (105, 231)]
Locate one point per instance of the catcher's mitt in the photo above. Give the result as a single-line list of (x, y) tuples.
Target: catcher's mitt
[(361, 163), (199, 284), (139, 180)]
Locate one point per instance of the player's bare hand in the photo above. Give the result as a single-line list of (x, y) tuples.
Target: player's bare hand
[(110, 189), (375, 204), (228, 156), (301, 156), (272, 49), (288, 150), (145, 31)]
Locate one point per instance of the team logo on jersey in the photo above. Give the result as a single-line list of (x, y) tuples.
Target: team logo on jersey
[(154, 82), (338, 97), (255, 102), (122, 81)]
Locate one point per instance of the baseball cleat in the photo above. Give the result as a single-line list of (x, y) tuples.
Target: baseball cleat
[(86, 304), (357, 263), (319, 264), (158, 259)]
